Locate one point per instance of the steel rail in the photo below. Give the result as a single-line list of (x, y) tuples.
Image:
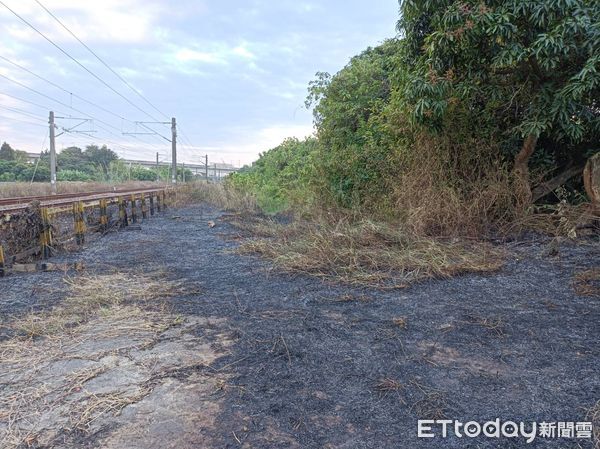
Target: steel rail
[(29, 199), (58, 204)]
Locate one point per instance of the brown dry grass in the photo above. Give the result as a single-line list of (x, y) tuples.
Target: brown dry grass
[(593, 416), (15, 189), (562, 220), (363, 253), (587, 283), (386, 385), (118, 306), (401, 322), (90, 295), (214, 194)]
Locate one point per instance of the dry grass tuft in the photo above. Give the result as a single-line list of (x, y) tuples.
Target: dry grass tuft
[(562, 220), (387, 385), (215, 194), (95, 406), (593, 416), (587, 283), (363, 253), (93, 294), (433, 403), (100, 315), (496, 326), (401, 322)]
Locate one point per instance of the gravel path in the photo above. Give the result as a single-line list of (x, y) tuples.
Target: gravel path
[(314, 365)]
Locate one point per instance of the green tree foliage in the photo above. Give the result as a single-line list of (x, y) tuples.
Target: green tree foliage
[(355, 150), (73, 158), (73, 164), (23, 172), (6, 152), (529, 67), (73, 175), (100, 157), (281, 176)]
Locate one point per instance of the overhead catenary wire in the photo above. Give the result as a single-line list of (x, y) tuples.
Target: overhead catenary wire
[(73, 95), (76, 61), (22, 112), (4, 117), (108, 111), (96, 120), (41, 106), (113, 71), (133, 89), (92, 73)]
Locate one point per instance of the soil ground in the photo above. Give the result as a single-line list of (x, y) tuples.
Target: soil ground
[(253, 358)]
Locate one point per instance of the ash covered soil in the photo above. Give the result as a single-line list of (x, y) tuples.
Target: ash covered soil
[(294, 362)]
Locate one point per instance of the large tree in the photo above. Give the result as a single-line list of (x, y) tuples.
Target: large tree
[(73, 158), (348, 111), (530, 65), (6, 152), (100, 157)]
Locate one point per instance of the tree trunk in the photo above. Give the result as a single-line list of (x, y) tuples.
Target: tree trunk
[(549, 186), (521, 170)]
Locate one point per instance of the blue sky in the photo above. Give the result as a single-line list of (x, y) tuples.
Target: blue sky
[(233, 72)]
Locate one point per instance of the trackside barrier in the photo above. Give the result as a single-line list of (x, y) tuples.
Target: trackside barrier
[(149, 203)]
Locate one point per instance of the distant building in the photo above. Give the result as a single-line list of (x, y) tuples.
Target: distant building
[(216, 170), (32, 157)]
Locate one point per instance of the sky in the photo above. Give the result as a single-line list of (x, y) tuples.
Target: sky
[(234, 73)]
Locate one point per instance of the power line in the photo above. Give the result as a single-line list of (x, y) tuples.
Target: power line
[(66, 105), (62, 88), (123, 80), (76, 61), (22, 112), (30, 102), (21, 121), (66, 91), (133, 89)]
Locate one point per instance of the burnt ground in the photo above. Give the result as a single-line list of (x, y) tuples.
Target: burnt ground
[(314, 365)]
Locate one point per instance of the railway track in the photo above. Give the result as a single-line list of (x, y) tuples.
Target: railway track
[(90, 212), (17, 204)]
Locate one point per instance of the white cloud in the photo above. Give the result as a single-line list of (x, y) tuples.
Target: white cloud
[(246, 148), (243, 52), (108, 21), (189, 55)]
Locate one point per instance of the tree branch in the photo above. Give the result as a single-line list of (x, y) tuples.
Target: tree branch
[(547, 187)]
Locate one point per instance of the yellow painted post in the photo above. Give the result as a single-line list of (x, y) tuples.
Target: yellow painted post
[(133, 209), (46, 234), (122, 213), (78, 217), (2, 272), (103, 215), (143, 206)]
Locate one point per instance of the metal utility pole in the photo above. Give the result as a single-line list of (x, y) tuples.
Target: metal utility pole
[(183, 172), (157, 169), (174, 149), (52, 154), (206, 167)]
